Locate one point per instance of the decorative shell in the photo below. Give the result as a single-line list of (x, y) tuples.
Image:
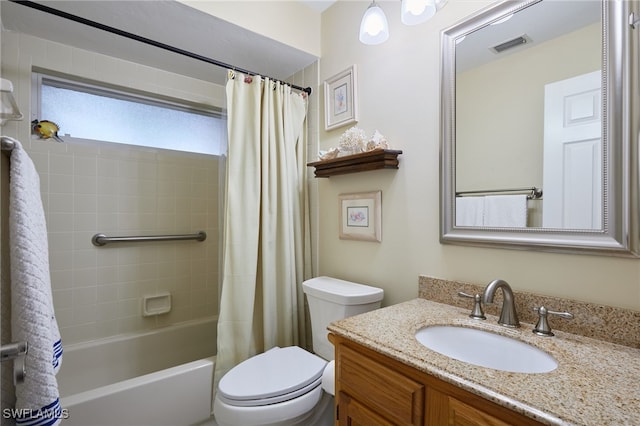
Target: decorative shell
[(377, 141), (328, 155)]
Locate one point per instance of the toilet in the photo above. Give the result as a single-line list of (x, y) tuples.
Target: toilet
[(290, 386)]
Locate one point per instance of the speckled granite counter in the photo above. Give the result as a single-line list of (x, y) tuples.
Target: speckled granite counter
[(596, 383)]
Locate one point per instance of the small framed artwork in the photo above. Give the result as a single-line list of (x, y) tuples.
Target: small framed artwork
[(340, 99), (360, 216)]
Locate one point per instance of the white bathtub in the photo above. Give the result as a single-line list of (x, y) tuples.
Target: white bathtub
[(163, 377)]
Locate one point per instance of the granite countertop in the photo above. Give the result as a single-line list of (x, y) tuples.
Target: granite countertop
[(596, 383)]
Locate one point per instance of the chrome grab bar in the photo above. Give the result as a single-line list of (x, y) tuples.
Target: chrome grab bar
[(15, 351), (101, 239), (6, 143)]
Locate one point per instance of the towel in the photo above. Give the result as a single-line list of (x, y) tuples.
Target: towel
[(32, 315), (505, 211), (469, 211)]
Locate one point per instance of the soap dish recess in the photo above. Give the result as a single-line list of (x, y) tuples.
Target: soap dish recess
[(156, 305)]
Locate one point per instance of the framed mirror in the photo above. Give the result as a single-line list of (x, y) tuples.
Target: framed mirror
[(538, 145)]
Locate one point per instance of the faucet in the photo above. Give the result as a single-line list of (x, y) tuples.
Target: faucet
[(508, 315)]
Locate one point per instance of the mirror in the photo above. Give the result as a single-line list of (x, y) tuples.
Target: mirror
[(537, 147)]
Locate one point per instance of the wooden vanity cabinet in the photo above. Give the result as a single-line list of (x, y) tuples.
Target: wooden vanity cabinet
[(375, 390)]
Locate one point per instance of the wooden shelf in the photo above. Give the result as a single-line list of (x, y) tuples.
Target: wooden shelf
[(371, 160)]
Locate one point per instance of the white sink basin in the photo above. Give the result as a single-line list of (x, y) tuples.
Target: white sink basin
[(486, 349)]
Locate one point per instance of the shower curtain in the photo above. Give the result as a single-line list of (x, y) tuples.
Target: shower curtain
[(266, 232)]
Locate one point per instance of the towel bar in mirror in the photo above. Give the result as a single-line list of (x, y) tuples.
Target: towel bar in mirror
[(529, 104)]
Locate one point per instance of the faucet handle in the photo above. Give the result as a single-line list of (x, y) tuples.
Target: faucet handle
[(477, 312), (542, 327)]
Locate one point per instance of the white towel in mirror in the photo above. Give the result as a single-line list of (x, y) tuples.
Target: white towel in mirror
[(469, 211), (505, 211)]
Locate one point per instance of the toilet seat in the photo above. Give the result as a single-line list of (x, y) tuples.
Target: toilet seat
[(278, 375)]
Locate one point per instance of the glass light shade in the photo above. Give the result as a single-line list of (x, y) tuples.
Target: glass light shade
[(415, 12), (374, 28)]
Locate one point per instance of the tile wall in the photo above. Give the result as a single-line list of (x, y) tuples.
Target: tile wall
[(90, 188), (115, 189)]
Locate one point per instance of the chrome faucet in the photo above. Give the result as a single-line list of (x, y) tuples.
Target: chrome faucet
[(508, 315)]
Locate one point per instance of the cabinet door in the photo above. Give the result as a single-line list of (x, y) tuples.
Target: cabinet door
[(384, 390), (353, 413), (461, 414), (373, 389)]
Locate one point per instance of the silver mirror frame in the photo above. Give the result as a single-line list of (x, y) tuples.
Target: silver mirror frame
[(619, 237)]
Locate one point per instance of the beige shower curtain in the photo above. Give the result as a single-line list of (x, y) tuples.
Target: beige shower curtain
[(266, 221)]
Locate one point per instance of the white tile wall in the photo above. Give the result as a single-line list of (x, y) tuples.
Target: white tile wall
[(120, 190), (123, 190)]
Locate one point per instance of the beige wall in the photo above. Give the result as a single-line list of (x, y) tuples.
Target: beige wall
[(500, 110), (398, 87), (289, 22), (90, 187)]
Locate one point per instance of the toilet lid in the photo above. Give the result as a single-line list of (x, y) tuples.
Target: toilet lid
[(273, 376)]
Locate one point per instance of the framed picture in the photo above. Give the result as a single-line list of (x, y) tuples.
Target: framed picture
[(360, 216), (340, 99)]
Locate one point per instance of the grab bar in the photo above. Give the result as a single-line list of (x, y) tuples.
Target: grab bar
[(7, 143), (101, 239), (15, 351)]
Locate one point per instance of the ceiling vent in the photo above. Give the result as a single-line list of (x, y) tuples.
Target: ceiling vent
[(509, 44)]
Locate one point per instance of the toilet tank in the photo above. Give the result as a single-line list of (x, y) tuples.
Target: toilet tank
[(332, 299)]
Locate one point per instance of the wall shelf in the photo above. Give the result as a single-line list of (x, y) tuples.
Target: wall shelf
[(371, 160)]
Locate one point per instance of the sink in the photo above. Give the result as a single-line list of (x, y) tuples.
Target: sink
[(486, 349)]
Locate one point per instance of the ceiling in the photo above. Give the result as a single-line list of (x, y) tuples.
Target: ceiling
[(319, 5), (178, 25), (539, 22), (168, 22)]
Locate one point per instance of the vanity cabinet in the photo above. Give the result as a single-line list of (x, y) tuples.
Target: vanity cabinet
[(373, 389)]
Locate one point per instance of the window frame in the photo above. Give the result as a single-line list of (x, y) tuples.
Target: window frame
[(42, 77)]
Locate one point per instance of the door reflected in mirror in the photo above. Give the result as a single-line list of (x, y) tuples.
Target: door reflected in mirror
[(537, 138), (520, 123)]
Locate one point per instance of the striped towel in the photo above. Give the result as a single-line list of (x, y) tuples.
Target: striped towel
[(32, 315)]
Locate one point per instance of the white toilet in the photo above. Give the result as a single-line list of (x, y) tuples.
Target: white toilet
[(290, 386)]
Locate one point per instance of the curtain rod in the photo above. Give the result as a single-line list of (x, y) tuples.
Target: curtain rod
[(145, 40)]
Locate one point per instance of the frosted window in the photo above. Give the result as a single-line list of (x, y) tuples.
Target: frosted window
[(122, 119)]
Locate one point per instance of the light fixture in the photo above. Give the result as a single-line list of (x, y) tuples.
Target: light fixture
[(374, 28), (414, 12)]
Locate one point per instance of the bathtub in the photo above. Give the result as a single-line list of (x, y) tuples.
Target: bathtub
[(162, 377)]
